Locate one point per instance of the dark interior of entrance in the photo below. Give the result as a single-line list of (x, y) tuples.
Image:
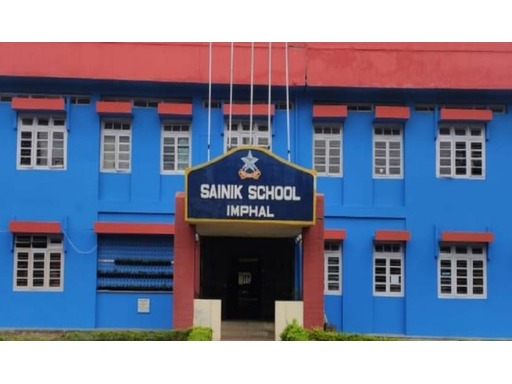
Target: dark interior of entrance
[(247, 274)]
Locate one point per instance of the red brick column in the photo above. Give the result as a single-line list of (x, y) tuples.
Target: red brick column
[(313, 269), (184, 268)]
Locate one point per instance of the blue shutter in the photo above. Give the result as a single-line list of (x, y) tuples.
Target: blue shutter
[(135, 263)]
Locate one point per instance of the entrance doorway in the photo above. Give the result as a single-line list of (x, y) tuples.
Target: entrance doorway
[(247, 274)]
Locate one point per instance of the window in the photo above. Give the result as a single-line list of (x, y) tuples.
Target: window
[(332, 268), (461, 151), (175, 146), (327, 149), (116, 137), (387, 151), (462, 270), (241, 134), (38, 263), (388, 272), (41, 142)]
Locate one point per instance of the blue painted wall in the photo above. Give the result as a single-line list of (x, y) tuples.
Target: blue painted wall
[(420, 202), (119, 310)]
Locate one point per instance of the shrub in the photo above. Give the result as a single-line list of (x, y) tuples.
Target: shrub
[(318, 334), (172, 335), (294, 332), (200, 334)]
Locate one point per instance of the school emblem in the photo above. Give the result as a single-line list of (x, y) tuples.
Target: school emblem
[(249, 170)]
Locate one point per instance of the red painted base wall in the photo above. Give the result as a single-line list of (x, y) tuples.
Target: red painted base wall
[(313, 269), (184, 268)]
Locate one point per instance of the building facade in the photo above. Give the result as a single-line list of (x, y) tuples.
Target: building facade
[(409, 145)]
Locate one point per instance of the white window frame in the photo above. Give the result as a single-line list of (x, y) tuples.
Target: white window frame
[(449, 136), (175, 130), (384, 255), (331, 134), (451, 260), (118, 134), (386, 136), (34, 126), (38, 262), (241, 133), (333, 258)]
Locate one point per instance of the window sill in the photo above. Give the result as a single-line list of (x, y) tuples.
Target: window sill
[(116, 172), (463, 297)]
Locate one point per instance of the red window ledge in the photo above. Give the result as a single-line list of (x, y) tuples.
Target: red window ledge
[(27, 104), (245, 109), (392, 235), (330, 111), (335, 234), (467, 237), (383, 112), (174, 109), (114, 107), (35, 227), (134, 228), (465, 114)]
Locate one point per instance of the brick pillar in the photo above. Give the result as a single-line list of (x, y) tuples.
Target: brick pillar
[(184, 268), (313, 269), (197, 270)]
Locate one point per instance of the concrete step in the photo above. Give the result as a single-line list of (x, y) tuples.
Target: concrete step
[(247, 330)]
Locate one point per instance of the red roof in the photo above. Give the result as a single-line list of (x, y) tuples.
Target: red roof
[(379, 65)]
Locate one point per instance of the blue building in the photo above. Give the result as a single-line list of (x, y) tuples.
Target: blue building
[(408, 144)]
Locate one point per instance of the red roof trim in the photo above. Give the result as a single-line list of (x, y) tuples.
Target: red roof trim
[(384, 112), (467, 237), (333, 111), (134, 228), (465, 114), (35, 227), (179, 109), (29, 104), (400, 235), (335, 234), (114, 107), (245, 109)]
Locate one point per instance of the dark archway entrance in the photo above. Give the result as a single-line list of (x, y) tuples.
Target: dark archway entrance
[(247, 274)]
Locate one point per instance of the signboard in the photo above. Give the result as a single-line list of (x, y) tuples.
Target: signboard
[(250, 184), (143, 305)]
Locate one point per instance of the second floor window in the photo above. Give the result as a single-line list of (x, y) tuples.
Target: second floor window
[(327, 149), (461, 151), (116, 138), (175, 146), (241, 134), (42, 142), (387, 151)]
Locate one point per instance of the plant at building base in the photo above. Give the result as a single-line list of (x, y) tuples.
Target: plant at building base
[(294, 332), (200, 334)]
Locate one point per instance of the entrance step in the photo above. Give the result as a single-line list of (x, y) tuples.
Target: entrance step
[(244, 330)]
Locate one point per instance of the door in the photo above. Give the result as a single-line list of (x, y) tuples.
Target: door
[(248, 288)]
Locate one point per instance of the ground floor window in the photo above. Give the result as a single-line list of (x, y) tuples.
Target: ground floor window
[(462, 270), (38, 264), (332, 268), (388, 261), (135, 263)]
